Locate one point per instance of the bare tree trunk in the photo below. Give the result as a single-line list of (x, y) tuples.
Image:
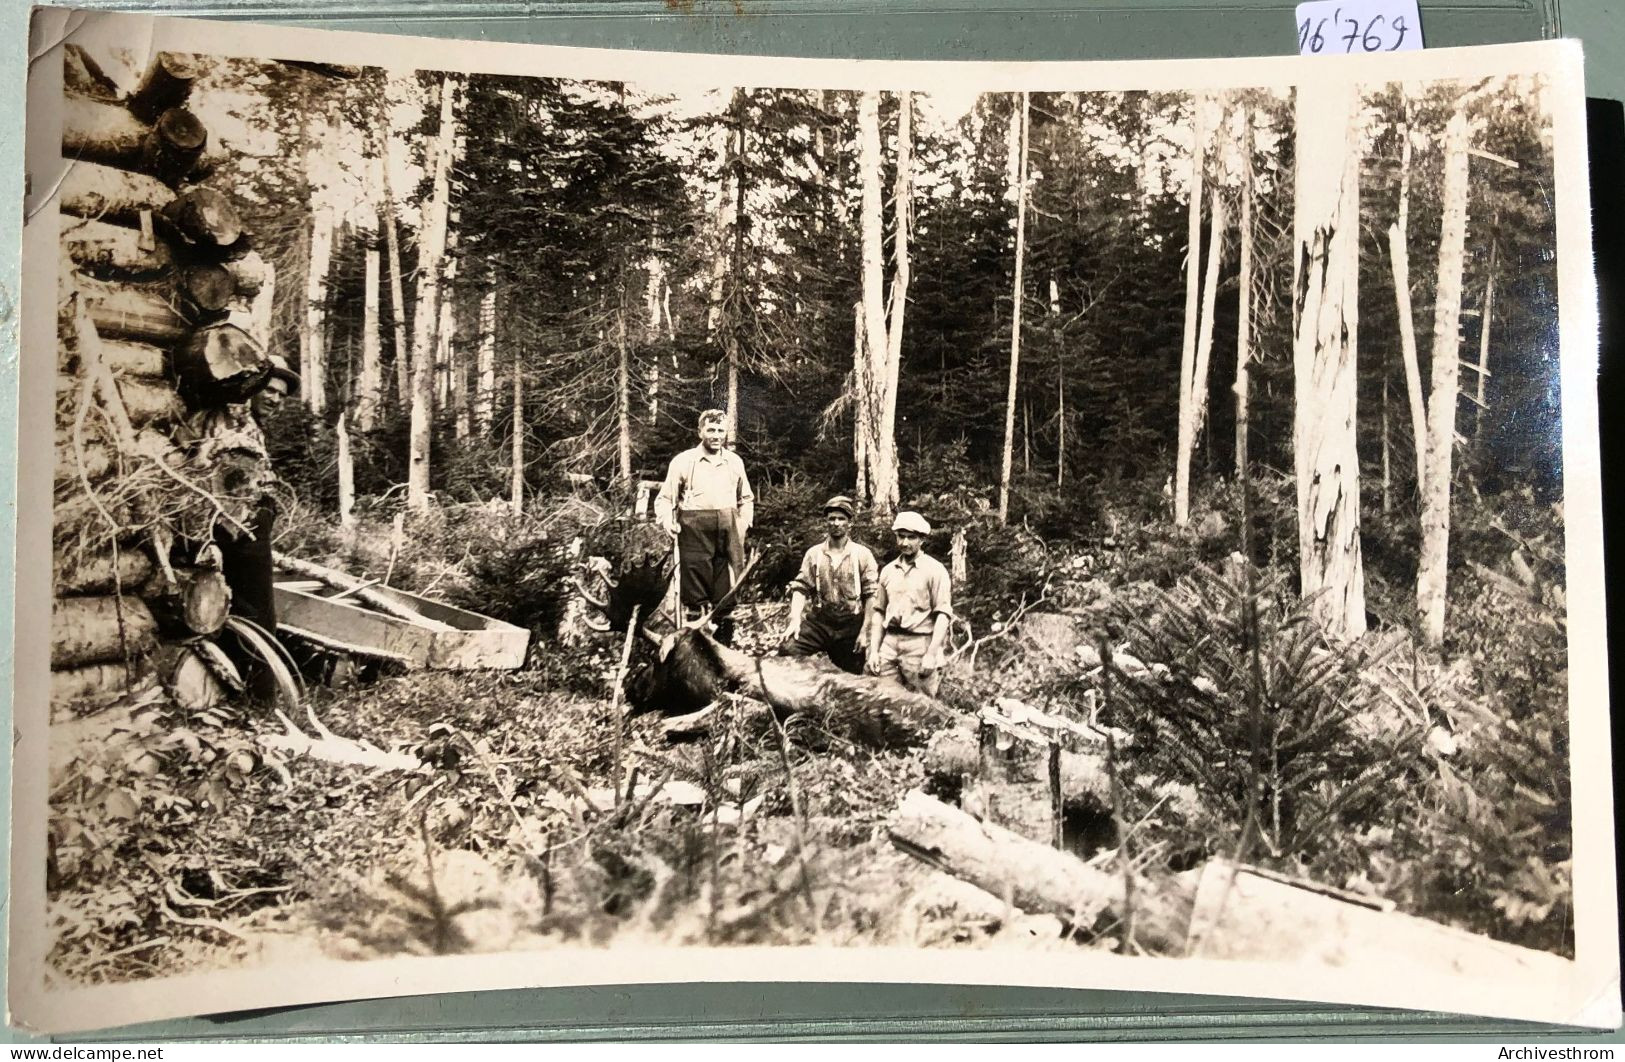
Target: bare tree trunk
[(1187, 350), (346, 477), (1244, 298), (623, 390), (1204, 342), (516, 492), (1326, 328), (431, 253), (1399, 256), (1481, 403), (1017, 298), (369, 395), (860, 404), (736, 267), (873, 324), (1431, 576), (885, 479), (1060, 386), (313, 352), (1387, 445), (486, 396)]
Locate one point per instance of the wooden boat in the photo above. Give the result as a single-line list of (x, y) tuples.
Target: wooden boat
[(445, 639)]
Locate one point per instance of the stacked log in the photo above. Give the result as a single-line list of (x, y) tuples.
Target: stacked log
[(154, 264)]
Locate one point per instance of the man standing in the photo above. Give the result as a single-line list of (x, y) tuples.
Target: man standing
[(236, 436), (840, 577), (913, 607), (707, 505)]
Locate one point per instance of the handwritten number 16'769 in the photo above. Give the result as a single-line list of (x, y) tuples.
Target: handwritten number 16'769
[(1313, 38)]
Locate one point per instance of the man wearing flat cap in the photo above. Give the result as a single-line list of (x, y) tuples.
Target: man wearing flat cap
[(912, 610), (707, 505), (837, 579)]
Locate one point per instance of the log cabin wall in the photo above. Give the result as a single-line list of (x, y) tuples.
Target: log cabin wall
[(155, 267)]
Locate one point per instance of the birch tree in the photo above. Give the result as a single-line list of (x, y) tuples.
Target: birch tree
[(1432, 571), (485, 398), (1399, 257), (1244, 290), (877, 355), (432, 250), (369, 389), (1187, 350), (1018, 293), (1325, 337)]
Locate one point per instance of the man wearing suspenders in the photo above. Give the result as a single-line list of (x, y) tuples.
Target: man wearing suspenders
[(913, 609), (838, 576), (707, 505)]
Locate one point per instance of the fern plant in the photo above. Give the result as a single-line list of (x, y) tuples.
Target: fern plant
[(1251, 706)]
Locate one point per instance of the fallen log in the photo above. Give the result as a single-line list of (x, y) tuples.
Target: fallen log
[(166, 83), (694, 669), (207, 286), (102, 459), (198, 602), (150, 402), (143, 313), (1221, 911), (122, 357), (221, 363), (114, 252), (105, 133), (955, 754), (119, 197), (205, 218), (96, 685), (83, 76), (353, 587), (1035, 877), (250, 274), (100, 573), (93, 630)]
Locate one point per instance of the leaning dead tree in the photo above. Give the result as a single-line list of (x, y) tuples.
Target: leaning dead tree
[(156, 274)]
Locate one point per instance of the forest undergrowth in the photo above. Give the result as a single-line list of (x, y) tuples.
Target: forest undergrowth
[(1436, 780)]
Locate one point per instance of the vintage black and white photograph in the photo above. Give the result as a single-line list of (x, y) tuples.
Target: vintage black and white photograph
[(1119, 527)]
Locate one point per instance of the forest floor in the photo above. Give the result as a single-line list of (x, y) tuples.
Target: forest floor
[(483, 817), (183, 844)]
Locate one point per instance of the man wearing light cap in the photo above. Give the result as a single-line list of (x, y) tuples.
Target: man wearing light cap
[(707, 505), (913, 607), (839, 577)]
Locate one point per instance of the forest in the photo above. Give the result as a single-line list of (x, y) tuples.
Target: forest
[(1234, 412)]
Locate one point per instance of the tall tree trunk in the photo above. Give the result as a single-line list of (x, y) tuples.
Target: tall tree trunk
[(861, 423), (313, 352), (369, 392), (873, 323), (1431, 576), (1244, 298), (1187, 351), (1481, 403), (1060, 386), (1204, 341), (1326, 328), (346, 476), (885, 479), (516, 492), (1399, 256), (432, 249), (736, 266), (1387, 444), (486, 396), (1017, 298), (623, 389)]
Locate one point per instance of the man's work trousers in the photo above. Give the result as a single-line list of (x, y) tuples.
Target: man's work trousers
[(833, 634), (900, 656), (711, 549)]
